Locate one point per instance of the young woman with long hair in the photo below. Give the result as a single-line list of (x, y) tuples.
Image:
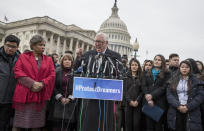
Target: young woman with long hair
[(184, 96), (133, 96), (154, 89)]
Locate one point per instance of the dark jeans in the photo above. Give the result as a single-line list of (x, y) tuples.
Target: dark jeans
[(180, 121), (120, 117), (132, 118), (6, 113)]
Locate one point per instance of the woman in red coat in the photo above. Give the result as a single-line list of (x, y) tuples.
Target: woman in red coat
[(35, 76)]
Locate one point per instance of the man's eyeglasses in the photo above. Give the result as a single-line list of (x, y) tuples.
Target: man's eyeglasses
[(100, 42), (11, 46)]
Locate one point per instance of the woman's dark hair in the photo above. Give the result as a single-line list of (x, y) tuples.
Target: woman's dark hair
[(174, 81), (201, 65), (35, 39), (163, 65), (139, 70), (143, 69), (194, 66)]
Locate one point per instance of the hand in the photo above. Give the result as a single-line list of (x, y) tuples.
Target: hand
[(182, 109), (37, 86), (135, 103), (185, 109), (151, 103), (148, 97), (67, 100), (63, 101), (132, 103)]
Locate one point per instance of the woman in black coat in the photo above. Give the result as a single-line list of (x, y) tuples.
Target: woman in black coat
[(63, 106), (154, 89), (132, 85), (185, 96)]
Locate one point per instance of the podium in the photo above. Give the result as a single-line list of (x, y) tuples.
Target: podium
[(98, 88)]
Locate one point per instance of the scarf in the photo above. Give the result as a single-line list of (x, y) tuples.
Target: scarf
[(155, 73)]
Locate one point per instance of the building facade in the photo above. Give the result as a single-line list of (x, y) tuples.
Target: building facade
[(59, 37)]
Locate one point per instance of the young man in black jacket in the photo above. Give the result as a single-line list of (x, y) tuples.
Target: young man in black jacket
[(173, 63), (8, 56)]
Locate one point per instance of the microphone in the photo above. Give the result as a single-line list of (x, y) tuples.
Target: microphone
[(88, 66), (82, 66), (104, 70), (93, 68), (119, 62), (111, 62), (112, 71), (99, 64)]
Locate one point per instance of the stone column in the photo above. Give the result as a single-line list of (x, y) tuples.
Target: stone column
[(82, 45), (45, 38), (58, 45), (123, 50), (77, 46), (64, 46), (44, 35), (120, 50), (2, 42), (114, 47), (71, 44), (87, 47), (51, 43)]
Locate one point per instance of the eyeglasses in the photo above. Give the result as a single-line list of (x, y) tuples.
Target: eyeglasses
[(11, 46), (100, 42)]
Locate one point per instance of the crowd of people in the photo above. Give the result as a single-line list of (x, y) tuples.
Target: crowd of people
[(36, 91)]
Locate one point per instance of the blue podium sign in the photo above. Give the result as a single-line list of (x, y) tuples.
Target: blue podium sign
[(98, 88)]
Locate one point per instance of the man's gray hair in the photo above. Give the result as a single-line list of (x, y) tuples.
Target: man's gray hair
[(103, 34), (36, 39)]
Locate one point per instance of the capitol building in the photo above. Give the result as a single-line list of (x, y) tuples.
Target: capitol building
[(116, 29), (61, 38)]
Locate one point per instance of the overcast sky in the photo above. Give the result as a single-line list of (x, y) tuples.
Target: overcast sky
[(161, 26)]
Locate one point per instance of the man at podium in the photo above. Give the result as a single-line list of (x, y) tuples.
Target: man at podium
[(99, 115)]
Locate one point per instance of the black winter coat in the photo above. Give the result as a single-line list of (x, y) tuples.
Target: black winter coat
[(195, 98), (58, 82), (156, 88), (55, 106), (132, 88), (7, 80)]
